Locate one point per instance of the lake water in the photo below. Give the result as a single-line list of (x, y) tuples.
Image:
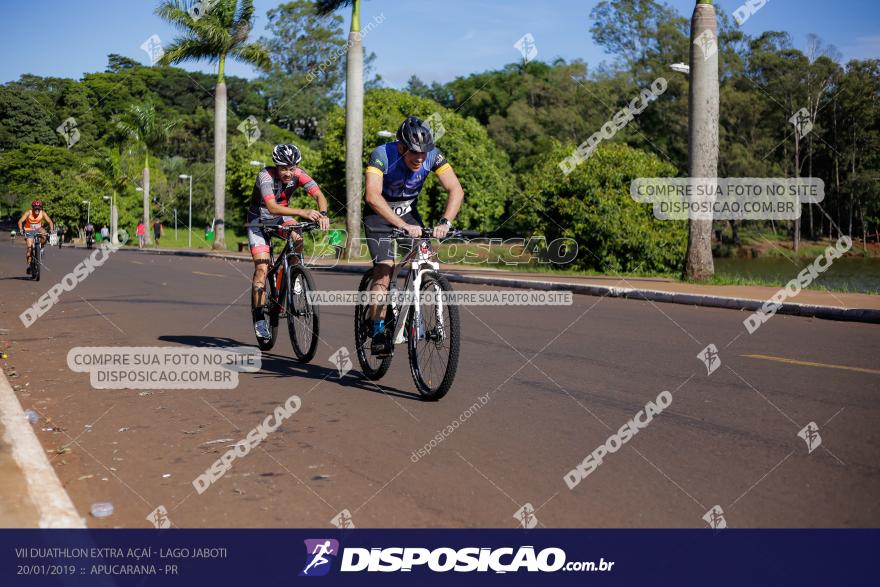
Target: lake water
[(855, 274)]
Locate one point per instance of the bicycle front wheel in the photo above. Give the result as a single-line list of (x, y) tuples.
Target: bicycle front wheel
[(303, 318), (35, 262), (269, 313), (433, 338)]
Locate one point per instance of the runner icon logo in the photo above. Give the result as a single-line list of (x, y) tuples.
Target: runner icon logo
[(810, 435), (343, 520), (715, 518), (710, 358), (526, 516), (342, 360), (320, 554)]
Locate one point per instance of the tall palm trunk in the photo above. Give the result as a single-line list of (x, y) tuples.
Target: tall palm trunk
[(220, 159), (147, 198), (354, 131), (703, 135)]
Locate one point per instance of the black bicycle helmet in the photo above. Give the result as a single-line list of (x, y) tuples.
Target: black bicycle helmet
[(415, 135), (286, 155)]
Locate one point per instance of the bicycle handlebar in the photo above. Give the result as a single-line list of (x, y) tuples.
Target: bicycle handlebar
[(427, 233), (303, 226)]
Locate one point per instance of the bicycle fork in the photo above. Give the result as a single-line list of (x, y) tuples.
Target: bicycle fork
[(413, 286)]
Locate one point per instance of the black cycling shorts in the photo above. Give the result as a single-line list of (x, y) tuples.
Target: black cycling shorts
[(379, 240)]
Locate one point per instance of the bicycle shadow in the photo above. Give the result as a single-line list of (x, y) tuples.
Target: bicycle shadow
[(275, 365)]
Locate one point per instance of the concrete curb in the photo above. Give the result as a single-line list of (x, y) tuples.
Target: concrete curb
[(54, 506), (865, 315), (707, 301)]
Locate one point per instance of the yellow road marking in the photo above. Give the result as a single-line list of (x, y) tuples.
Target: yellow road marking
[(208, 274), (812, 364), (137, 262)]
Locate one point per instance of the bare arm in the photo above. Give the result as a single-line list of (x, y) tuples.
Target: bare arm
[(21, 221), (277, 209), (49, 220), (450, 183), (322, 221)]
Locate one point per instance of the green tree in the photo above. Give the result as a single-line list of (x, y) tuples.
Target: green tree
[(21, 123), (593, 206), (220, 33), (141, 124), (307, 50)]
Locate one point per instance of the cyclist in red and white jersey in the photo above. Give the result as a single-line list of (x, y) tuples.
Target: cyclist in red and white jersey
[(269, 205)]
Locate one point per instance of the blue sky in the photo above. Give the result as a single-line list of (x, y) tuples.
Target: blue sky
[(438, 41)]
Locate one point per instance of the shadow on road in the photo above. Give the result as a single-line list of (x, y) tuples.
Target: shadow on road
[(274, 365)]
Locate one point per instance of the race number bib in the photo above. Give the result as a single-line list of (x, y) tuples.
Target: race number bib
[(401, 208)]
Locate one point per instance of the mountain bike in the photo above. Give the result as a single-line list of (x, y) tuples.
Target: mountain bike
[(288, 283), (36, 253), (430, 327)]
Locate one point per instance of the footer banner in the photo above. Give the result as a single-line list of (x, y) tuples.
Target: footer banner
[(437, 557)]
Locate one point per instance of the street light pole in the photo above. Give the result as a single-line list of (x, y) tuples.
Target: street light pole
[(88, 210), (190, 178)]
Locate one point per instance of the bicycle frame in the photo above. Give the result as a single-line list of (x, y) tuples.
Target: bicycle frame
[(279, 268), (420, 260), (35, 236)]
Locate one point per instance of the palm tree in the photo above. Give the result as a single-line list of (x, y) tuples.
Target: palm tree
[(140, 124), (221, 31), (106, 173), (354, 119), (703, 130)]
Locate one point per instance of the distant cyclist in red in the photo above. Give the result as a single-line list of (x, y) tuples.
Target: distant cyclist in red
[(30, 224)]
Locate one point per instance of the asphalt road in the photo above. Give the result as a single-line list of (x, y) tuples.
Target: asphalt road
[(560, 381)]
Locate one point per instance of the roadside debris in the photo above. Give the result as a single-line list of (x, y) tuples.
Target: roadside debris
[(102, 509), (218, 441)]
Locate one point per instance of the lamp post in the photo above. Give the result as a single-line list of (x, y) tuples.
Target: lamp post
[(113, 219), (190, 178), (88, 210)]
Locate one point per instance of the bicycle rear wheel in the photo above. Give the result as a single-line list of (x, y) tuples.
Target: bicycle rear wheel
[(372, 367), (434, 340), (270, 315), (303, 318)]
